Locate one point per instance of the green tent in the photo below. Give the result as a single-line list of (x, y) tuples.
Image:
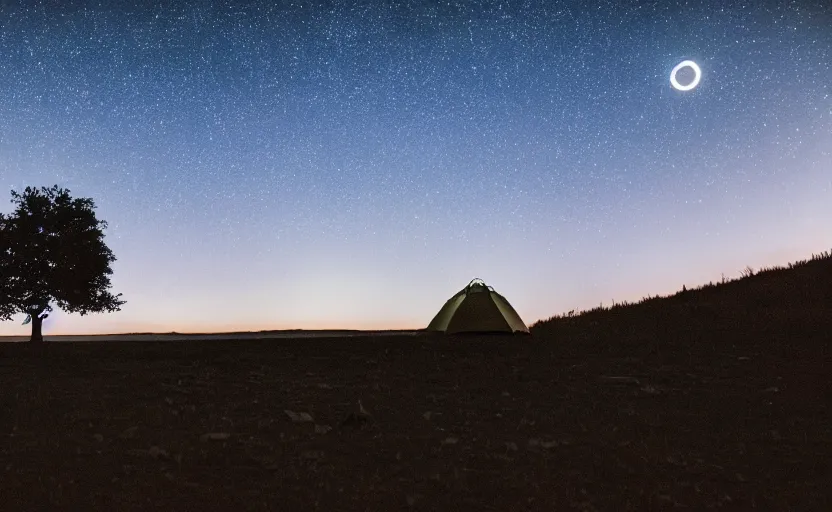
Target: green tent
[(477, 308)]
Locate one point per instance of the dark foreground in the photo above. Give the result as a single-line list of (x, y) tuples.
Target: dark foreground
[(697, 422)]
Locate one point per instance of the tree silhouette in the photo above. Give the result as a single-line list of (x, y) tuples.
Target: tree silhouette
[(52, 251)]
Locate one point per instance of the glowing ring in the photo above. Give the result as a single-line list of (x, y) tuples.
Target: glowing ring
[(685, 64)]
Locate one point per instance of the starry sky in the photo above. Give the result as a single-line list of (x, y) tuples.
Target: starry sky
[(352, 164)]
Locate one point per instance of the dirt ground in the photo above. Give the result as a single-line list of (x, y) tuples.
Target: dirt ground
[(488, 423)]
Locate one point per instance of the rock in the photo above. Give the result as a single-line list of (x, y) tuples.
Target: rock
[(312, 454), (362, 417), (354, 419), (302, 417), (537, 443), (215, 436), (129, 433), (450, 440), (157, 452), (322, 429)]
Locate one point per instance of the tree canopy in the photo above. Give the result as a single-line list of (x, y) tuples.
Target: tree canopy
[(52, 251)]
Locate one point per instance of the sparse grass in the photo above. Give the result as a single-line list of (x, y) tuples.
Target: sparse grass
[(767, 280)]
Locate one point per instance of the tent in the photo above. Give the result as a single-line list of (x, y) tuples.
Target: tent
[(477, 308)]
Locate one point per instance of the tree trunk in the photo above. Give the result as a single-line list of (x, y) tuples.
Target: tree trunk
[(37, 324)]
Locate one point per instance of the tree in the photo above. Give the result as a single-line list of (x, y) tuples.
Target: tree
[(52, 251)]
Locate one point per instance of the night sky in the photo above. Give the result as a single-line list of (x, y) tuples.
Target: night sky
[(270, 165)]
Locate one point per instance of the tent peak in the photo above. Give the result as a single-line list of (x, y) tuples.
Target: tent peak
[(477, 282)]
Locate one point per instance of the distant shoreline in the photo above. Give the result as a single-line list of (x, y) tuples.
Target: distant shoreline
[(246, 335)]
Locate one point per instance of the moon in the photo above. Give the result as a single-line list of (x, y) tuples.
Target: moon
[(685, 64)]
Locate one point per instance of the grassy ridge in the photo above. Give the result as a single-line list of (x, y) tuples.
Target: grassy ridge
[(795, 300)]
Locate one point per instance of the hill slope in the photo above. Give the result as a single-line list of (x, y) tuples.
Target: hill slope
[(793, 302)]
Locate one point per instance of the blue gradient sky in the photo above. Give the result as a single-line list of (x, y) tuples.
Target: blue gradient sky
[(267, 165)]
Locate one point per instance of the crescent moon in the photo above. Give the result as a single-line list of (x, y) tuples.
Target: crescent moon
[(697, 75)]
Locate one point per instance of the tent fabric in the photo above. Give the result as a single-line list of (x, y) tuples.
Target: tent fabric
[(477, 308)]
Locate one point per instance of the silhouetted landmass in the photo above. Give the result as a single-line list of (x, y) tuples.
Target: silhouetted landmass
[(791, 300), (298, 334), (715, 398), (281, 332)]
